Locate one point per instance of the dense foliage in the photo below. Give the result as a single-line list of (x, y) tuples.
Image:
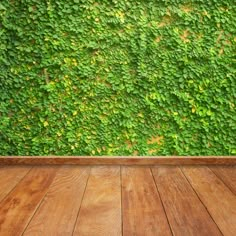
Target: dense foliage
[(117, 77)]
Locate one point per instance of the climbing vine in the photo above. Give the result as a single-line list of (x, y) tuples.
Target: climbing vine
[(109, 77)]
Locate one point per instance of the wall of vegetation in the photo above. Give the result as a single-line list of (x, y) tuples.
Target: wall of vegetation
[(117, 77)]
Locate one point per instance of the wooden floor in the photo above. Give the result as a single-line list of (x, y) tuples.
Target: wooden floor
[(117, 200)]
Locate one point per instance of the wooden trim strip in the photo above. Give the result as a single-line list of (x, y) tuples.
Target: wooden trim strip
[(118, 160)]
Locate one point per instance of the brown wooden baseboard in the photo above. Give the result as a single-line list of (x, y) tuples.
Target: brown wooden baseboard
[(118, 160)]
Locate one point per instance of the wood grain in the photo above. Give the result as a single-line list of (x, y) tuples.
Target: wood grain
[(57, 214), (142, 209), (46, 200), (119, 160), (18, 207), (100, 212), (9, 177), (185, 212), (218, 199), (227, 174)]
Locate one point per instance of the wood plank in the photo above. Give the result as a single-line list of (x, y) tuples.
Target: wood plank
[(227, 174), (100, 212), (18, 207), (143, 213), (10, 176), (218, 199), (59, 209), (185, 212), (119, 160)]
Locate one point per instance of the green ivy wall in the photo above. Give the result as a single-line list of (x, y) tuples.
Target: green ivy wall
[(117, 77)]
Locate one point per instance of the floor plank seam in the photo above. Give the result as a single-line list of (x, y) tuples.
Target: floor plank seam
[(17, 184), (39, 204), (200, 200), (77, 217), (221, 180), (171, 230), (121, 200)]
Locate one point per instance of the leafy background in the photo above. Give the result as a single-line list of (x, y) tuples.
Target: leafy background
[(109, 77)]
